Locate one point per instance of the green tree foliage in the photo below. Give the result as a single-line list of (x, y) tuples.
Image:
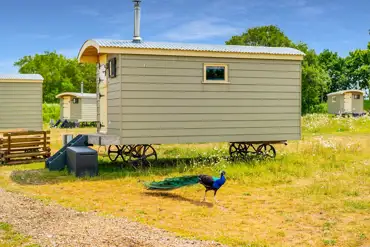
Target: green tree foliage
[(270, 36), (314, 77), (336, 68), (60, 74), (358, 68)]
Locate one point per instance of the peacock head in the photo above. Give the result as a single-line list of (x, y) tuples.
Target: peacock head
[(223, 173)]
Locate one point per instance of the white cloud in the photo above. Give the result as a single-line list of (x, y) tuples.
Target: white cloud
[(201, 30)]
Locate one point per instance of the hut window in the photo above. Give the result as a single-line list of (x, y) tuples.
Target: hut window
[(356, 96), (112, 66), (334, 99), (215, 73), (75, 101)]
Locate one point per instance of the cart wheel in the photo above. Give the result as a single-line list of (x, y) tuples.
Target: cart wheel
[(238, 150), (114, 151), (233, 150), (267, 151), (142, 156)]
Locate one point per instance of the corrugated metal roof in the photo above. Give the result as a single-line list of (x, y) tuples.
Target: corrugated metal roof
[(346, 91), (35, 77), (198, 47), (78, 95)]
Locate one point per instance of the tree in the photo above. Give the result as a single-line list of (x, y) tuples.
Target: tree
[(270, 36), (60, 74), (314, 77), (358, 68), (336, 68)]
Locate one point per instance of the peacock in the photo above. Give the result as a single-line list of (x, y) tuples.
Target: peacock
[(209, 182)]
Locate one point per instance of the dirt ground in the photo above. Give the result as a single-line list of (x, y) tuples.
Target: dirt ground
[(53, 225)]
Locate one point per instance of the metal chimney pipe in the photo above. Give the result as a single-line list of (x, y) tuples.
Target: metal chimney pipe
[(82, 87), (137, 37)]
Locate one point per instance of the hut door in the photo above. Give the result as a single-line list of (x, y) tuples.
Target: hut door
[(66, 108), (102, 97), (348, 102)]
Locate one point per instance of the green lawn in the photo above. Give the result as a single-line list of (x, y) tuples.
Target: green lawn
[(315, 193)]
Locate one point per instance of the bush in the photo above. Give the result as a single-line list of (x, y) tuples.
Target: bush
[(367, 105), (321, 108), (50, 111)]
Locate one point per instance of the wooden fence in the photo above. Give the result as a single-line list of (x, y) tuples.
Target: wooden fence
[(24, 147)]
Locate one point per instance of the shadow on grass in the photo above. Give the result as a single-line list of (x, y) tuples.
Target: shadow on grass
[(178, 198), (110, 171)]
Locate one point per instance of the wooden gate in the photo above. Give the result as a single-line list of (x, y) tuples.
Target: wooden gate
[(24, 147)]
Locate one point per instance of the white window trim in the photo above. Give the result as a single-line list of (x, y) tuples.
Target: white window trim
[(333, 99), (226, 81), (355, 94)]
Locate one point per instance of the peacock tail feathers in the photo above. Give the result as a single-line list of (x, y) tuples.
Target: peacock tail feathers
[(172, 183)]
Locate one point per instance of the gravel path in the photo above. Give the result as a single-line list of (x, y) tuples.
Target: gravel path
[(53, 225)]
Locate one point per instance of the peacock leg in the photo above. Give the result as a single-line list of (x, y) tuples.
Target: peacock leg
[(214, 197), (204, 198)]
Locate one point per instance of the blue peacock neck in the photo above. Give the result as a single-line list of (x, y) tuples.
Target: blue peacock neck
[(219, 182)]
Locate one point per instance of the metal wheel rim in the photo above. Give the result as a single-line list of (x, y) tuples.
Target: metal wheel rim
[(267, 151), (233, 150), (139, 156), (114, 151)]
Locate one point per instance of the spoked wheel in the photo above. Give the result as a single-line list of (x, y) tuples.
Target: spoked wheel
[(115, 151), (239, 150), (267, 151), (142, 156)]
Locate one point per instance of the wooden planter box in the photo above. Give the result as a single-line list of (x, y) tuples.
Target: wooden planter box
[(24, 147)]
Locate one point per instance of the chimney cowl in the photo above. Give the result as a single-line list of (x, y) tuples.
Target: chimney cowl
[(137, 37)]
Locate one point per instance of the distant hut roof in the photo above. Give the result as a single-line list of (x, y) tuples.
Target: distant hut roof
[(78, 95), (91, 48), (21, 78), (345, 91)]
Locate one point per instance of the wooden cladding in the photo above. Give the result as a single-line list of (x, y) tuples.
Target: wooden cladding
[(24, 147)]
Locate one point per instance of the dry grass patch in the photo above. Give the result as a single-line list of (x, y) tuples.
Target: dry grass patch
[(11, 238), (316, 193)]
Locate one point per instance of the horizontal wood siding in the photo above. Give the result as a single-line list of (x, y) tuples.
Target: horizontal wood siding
[(163, 99), (114, 102), (21, 106), (89, 110)]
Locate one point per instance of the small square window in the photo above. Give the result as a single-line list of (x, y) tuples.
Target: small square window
[(215, 73), (356, 96), (334, 99), (75, 101)]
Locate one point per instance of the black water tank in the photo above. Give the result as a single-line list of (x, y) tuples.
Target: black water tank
[(82, 161)]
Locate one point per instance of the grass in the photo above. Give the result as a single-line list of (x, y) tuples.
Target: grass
[(11, 238), (316, 192)]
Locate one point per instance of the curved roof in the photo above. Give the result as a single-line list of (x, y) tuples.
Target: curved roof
[(101, 46), (345, 91), (78, 95), (21, 77)]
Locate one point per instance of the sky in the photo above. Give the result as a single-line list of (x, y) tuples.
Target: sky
[(30, 27)]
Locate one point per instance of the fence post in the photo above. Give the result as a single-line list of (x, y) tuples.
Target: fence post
[(9, 145), (45, 141)]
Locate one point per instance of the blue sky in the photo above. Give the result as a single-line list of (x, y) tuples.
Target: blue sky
[(30, 27)]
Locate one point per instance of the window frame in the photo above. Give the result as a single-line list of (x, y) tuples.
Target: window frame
[(73, 101), (112, 67), (226, 81), (356, 94), (334, 99)]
